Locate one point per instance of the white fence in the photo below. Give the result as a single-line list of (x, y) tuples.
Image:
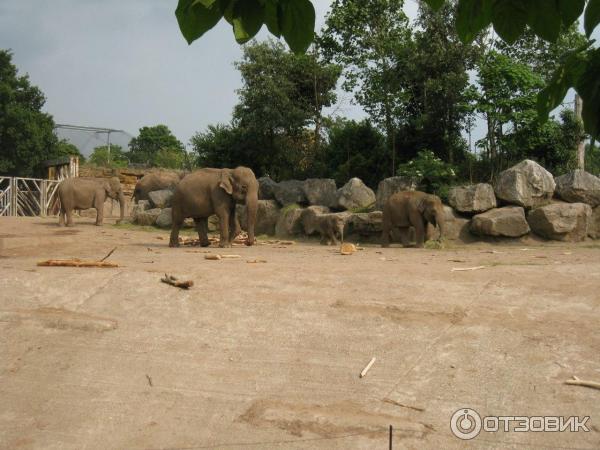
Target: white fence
[(28, 197)]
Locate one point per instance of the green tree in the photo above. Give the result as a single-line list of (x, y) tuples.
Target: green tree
[(101, 157), (151, 140), (26, 133), (169, 158), (365, 38), (355, 149), (65, 148)]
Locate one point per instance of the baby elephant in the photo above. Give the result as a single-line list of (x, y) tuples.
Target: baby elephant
[(329, 226), (412, 209)]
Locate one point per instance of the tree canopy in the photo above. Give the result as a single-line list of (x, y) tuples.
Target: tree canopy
[(155, 145)]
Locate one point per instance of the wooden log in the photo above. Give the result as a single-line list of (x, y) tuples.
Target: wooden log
[(368, 366), (75, 263), (170, 279)]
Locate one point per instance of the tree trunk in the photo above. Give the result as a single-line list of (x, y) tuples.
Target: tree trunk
[(581, 143)]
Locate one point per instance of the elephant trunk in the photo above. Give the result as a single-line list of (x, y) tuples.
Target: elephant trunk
[(121, 206), (251, 209)]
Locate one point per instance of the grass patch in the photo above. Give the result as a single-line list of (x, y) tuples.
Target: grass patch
[(363, 209), (287, 208), (436, 244)]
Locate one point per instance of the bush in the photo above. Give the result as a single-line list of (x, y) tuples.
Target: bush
[(435, 175)]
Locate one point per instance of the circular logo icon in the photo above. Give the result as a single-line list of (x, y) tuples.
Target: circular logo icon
[(465, 424)]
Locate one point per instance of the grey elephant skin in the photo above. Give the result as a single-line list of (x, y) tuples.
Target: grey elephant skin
[(215, 191), (155, 182), (85, 193), (411, 209)]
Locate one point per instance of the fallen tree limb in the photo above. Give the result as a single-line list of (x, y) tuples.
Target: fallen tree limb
[(464, 269), (109, 253), (75, 263), (368, 366), (577, 382), (170, 279)]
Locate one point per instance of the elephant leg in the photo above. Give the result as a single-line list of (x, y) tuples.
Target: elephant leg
[(99, 205), (419, 233), (404, 233), (177, 219), (69, 216), (202, 229), (385, 233), (224, 227), (234, 225), (61, 217), (332, 237)]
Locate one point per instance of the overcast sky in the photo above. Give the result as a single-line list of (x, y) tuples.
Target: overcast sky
[(124, 64)]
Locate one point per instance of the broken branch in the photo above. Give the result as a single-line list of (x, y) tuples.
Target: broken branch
[(366, 369), (463, 269), (75, 263), (170, 279), (109, 253), (577, 382)]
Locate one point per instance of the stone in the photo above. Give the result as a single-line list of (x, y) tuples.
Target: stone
[(320, 191), (308, 225), (579, 186), (147, 217), (289, 222), (457, 226), (389, 186), (164, 219), (213, 223), (141, 205), (289, 192), (526, 184), (161, 199), (355, 195), (474, 198), (594, 225), (266, 188), (508, 221), (365, 224), (267, 214), (561, 221)]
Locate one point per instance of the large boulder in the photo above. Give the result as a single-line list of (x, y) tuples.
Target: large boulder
[(457, 226), (289, 222), (594, 225), (320, 191), (389, 186), (141, 206), (266, 188), (161, 199), (508, 222), (289, 192), (561, 221), (164, 219), (147, 217), (579, 186), (474, 198), (527, 184), (355, 195), (365, 224), (267, 214)]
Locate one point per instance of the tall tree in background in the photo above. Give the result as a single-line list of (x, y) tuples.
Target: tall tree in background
[(101, 157), (276, 126), (26, 133), (365, 38), (152, 142)]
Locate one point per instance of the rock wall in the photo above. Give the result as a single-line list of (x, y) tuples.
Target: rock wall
[(521, 202)]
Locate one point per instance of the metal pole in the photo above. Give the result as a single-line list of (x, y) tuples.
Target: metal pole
[(108, 145)]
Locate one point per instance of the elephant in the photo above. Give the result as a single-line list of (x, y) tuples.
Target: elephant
[(84, 193), (329, 226), (155, 181), (411, 208), (215, 191)]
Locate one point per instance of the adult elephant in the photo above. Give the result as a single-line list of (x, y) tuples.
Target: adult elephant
[(155, 181), (411, 209), (85, 193), (215, 191)]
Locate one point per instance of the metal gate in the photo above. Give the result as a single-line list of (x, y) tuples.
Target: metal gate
[(28, 196)]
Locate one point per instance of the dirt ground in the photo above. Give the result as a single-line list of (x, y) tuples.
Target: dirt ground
[(268, 355)]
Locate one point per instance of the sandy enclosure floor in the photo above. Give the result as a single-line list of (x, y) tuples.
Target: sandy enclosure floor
[(268, 355)]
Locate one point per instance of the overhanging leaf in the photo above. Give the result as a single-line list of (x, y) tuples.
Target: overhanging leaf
[(195, 19), (247, 19), (272, 17), (570, 10), (472, 16), (588, 87), (591, 17), (509, 18), (297, 23), (544, 18)]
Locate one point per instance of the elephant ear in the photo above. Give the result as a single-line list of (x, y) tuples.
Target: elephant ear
[(226, 182), (422, 205), (115, 184)]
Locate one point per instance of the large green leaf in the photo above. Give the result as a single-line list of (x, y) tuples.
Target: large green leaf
[(297, 23), (472, 17), (247, 19), (570, 10), (591, 17), (195, 18), (544, 18), (272, 17), (435, 4), (588, 87), (509, 18)]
